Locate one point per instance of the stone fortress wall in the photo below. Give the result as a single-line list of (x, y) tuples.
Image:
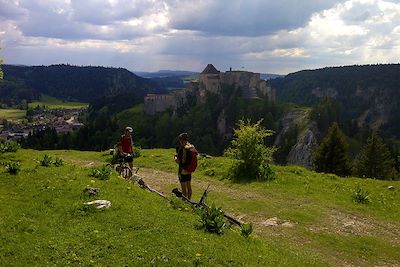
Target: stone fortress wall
[(210, 80)]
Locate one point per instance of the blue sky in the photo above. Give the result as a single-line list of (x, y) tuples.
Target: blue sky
[(148, 35)]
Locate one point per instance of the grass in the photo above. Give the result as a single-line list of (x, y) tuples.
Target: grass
[(325, 220), (44, 222), (12, 114), (54, 103)]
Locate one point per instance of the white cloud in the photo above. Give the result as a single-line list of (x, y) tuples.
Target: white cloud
[(261, 35)]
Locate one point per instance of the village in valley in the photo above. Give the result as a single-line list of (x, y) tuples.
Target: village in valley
[(40, 118)]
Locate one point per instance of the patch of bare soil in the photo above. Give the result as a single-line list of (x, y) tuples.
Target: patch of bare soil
[(164, 181), (349, 224)]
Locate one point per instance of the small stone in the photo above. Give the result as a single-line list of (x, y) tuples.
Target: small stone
[(391, 187), (100, 204)]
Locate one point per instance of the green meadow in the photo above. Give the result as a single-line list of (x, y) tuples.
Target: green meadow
[(301, 218), (54, 103), (12, 114)]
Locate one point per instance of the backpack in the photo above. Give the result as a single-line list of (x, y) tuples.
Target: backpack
[(191, 167)]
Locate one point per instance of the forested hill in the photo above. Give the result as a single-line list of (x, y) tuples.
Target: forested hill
[(306, 87), (76, 83), (368, 95)]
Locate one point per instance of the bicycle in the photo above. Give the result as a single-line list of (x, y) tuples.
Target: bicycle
[(123, 167)]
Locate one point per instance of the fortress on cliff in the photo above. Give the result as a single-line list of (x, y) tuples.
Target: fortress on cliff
[(211, 80)]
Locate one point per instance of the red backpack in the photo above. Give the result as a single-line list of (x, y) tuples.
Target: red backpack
[(191, 167)]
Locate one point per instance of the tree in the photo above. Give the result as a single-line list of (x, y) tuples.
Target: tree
[(1, 72), (251, 157), (331, 155), (374, 160)]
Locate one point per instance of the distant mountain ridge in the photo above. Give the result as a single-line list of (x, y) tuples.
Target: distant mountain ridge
[(165, 73), (184, 73)]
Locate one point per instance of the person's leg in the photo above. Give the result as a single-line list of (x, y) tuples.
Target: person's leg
[(189, 189), (184, 188)]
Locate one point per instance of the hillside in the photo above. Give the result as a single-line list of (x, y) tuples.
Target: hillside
[(367, 96), (73, 83), (301, 219)]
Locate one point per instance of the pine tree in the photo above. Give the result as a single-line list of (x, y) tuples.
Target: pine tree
[(331, 155), (374, 160)]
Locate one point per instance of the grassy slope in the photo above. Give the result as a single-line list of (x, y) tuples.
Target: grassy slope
[(12, 114), (42, 223), (54, 103), (327, 224)]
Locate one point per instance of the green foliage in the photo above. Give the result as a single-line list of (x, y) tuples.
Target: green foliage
[(147, 231), (12, 167), (58, 162), (374, 160), (212, 219), (46, 161), (101, 173), (361, 196), (1, 71), (9, 146), (331, 155), (325, 113), (246, 229), (251, 157)]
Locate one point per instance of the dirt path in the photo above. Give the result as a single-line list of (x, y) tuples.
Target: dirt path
[(269, 225)]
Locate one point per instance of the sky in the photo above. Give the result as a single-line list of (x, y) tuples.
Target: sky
[(267, 36)]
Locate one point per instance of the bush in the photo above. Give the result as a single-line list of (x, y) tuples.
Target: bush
[(13, 167), (212, 219), (251, 158), (246, 229), (9, 146), (102, 173), (58, 162), (46, 161), (361, 196)]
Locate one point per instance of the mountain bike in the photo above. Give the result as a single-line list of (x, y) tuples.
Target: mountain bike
[(123, 167)]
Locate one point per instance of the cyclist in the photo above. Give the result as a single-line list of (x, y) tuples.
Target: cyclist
[(125, 146)]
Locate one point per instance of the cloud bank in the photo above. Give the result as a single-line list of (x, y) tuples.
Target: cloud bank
[(258, 35)]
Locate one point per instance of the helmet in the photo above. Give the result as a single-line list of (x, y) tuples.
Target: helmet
[(129, 129)]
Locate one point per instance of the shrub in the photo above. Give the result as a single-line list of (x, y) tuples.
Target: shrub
[(246, 229), (9, 146), (138, 152), (361, 196), (13, 167), (251, 158), (212, 219), (102, 173), (46, 161), (58, 162)]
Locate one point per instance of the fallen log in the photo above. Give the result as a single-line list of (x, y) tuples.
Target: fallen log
[(202, 203), (143, 184)]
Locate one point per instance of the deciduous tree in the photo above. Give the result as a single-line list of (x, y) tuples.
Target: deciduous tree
[(251, 156)]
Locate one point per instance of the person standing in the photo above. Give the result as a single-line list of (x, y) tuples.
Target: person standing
[(183, 158), (125, 146)]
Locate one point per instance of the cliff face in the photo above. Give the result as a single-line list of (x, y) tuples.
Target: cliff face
[(305, 139), (368, 95)]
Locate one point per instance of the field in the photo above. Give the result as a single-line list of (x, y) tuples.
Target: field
[(300, 219), (54, 103), (12, 114)]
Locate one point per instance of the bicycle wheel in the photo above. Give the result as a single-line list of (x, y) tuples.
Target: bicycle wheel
[(126, 172)]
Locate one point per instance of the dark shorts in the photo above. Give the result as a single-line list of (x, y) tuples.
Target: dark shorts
[(126, 158), (185, 177)]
